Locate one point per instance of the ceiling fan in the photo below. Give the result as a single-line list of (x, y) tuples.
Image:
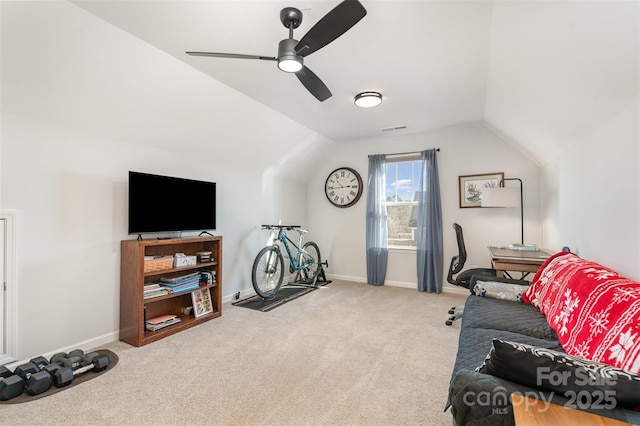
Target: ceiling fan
[(291, 51)]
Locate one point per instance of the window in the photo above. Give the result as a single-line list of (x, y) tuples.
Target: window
[(402, 182)]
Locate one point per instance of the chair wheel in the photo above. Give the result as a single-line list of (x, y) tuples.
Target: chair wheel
[(448, 322), (452, 311)]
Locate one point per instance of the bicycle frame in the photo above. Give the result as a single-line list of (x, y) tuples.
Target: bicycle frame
[(294, 262)]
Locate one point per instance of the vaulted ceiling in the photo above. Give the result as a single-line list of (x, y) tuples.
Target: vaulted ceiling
[(534, 71)]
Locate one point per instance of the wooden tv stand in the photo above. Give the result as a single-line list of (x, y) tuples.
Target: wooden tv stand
[(135, 309)]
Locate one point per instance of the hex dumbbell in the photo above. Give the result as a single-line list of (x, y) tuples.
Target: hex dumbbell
[(90, 362), (11, 385), (71, 360), (36, 381), (44, 365)]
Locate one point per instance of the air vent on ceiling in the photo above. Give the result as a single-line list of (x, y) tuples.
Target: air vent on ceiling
[(388, 129)]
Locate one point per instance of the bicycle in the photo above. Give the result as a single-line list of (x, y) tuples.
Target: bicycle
[(268, 267)]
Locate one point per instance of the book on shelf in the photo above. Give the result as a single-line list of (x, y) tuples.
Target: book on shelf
[(179, 283), (181, 278), (156, 294), (204, 256), (207, 277), (523, 247), (183, 288), (154, 290), (161, 322)]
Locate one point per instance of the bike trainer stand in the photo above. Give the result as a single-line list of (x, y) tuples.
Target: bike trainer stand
[(319, 277)]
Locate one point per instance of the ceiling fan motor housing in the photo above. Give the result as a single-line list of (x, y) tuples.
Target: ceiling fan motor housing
[(288, 60)]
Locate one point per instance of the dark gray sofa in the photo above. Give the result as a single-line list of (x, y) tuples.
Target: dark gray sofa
[(482, 399)]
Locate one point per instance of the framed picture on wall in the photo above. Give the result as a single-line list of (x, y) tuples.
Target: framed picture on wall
[(202, 304), (470, 187)]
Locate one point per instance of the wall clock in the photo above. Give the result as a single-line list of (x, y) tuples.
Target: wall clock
[(343, 187)]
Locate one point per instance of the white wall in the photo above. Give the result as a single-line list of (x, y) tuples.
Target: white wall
[(82, 104), (464, 150), (563, 84), (592, 194)]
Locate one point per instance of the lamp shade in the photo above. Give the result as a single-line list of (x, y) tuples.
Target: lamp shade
[(500, 197)]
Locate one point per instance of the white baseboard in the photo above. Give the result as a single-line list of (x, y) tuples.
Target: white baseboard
[(248, 292), (86, 346), (445, 289), (455, 290), (346, 278)]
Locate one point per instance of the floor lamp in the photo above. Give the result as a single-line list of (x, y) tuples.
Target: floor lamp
[(505, 197)]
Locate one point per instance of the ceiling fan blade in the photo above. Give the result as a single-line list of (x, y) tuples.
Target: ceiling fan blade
[(313, 84), (331, 26), (232, 55)]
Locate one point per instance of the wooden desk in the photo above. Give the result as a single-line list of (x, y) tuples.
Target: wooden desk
[(533, 412), (505, 259)]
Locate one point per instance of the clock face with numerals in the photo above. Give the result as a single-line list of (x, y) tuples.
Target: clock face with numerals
[(343, 187)]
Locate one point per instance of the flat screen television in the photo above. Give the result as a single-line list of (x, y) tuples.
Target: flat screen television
[(169, 204)]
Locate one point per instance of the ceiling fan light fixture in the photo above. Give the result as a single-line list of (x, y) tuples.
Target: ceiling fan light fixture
[(368, 99), (290, 64), (288, 61)]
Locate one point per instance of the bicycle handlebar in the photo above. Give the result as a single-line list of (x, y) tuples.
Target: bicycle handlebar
[(287, 227)]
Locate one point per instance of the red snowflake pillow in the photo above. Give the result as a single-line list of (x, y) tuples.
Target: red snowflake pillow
[(595, 311)]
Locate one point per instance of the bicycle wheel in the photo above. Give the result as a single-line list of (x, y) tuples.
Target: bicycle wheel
[(267, 272), (312, 256)]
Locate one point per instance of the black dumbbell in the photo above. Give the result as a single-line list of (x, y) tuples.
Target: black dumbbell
[(44, 365), (57, 357), (71, 360), (36, 381), (90, 362), (11, 385)]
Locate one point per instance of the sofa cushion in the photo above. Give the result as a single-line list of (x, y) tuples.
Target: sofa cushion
[(506, 315), (595, 311), (584, 382), (475, 343)]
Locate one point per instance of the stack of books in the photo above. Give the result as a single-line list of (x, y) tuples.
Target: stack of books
[(204, 256), (523, 247), (154, 290), (155, 324), (207, 277), (182, 283)]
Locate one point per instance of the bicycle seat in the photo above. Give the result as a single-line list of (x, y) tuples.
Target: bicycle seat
[(287, 227), (302, 231)]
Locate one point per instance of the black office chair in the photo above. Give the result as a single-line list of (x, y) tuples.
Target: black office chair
[(463, 278)]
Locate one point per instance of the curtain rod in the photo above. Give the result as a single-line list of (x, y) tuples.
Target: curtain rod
[(407, 153)]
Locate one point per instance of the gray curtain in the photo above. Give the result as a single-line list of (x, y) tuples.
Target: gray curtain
[(429, 229), (377, 251)]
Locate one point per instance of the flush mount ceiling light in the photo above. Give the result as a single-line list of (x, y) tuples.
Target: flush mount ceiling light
[(368, 99)]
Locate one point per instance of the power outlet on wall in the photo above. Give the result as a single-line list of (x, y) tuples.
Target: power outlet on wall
[(236, 296)]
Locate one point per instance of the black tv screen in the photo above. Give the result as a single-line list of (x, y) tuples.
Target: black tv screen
[(169, 204)]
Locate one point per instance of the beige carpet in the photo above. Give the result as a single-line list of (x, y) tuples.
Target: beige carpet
[(346, 354)]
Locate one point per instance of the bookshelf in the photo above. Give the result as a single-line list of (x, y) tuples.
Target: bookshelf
[(135, 309)]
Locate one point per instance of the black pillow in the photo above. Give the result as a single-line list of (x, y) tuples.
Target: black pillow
[(584, 382)]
